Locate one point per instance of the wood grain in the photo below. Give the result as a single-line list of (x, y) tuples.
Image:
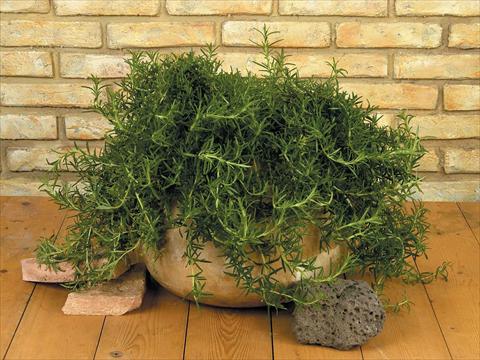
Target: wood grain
[(155, 331), (219, 333), (46, 333), (444, 319), (23, 220), (471, 212), (456, 302), (286, 347), (400, 338)]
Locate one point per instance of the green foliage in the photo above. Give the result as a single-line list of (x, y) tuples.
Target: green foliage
[(245, 162)]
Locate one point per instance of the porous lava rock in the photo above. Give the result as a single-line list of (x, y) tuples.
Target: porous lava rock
[(348, 314)]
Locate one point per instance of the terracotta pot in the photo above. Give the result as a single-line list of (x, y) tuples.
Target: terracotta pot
[(169, 268)]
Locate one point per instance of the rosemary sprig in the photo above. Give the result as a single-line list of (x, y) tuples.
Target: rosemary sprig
[(247, 163)]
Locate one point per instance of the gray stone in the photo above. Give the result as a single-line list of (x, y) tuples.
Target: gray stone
[(348, 315)]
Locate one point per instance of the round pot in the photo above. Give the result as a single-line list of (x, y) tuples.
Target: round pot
[(169, 268)]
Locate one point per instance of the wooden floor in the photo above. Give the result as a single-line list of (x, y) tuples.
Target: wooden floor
[(443, 323)]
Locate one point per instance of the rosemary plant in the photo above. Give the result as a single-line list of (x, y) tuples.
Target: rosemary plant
[(245, 162)]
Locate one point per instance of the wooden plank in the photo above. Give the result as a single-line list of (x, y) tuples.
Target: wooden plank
[(400, 338), (219, 333), (155, 331), (286, 347), (23, 220), (455, 302), (471, 212), (46, 333)]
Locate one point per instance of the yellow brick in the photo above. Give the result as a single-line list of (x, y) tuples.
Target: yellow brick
[(292, 33), (37, 158), (429, 162), (85, 65), (22, 6), (26, 63), (396, 96), (461, 97), (13, 126), (311, 64), (86, 126), (54, 95), (20, 187), (50, 33), (106, 7), (447, 126), (159, 34), (395, 35), (464, 36), (29, 159), (468, 190), (242, 61), (388, 120), (218, 7), (333, 7), (437, 7), (461, 160), (357, 65), (458, 66)]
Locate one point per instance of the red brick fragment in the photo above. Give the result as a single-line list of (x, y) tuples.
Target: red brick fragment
[(114, 297), (32, 271)]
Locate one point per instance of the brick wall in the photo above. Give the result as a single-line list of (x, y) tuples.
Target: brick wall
[(421, 55)]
